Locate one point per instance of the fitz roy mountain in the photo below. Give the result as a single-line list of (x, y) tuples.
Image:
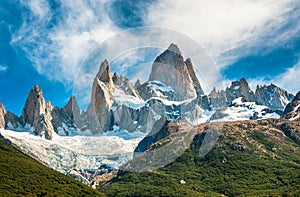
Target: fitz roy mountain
[(116, 101), (124, 121)]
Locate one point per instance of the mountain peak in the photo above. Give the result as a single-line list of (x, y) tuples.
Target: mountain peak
[(37, 113), (292, 110), (174, 48), (297, 97), (171, 69), (104, 74), (72, 104)]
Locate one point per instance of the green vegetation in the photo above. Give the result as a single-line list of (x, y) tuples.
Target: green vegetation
[(266, 168), (20, 175)]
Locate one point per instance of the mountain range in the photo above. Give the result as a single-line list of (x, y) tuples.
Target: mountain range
[(125, 122), (116, 101)]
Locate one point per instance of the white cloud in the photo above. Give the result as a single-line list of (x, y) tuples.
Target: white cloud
[(227, 29), (58, 51), (223, 26), (3, 68), (290, 79)]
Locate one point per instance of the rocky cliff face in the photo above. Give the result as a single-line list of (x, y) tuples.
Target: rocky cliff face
[(161, 129), (68, 120), (292, 110), (272, 96), (193, 76), (218, 99), (99, 113), (37, 113), (125, 85), (11, 120), (240, 89), (171, 61), (2, 116)]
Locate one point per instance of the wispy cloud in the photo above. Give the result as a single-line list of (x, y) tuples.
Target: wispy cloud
[(3, 68), (57, 40), (224, 27), (290, 79)]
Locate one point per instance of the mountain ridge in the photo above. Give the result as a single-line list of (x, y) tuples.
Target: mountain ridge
[(141, 105)]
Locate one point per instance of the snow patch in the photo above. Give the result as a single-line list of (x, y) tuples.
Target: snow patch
[(160, 86), (121, 98), (245, 110)]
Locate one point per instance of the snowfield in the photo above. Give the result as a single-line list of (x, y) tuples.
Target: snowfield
[(245, 110), (65, 153)]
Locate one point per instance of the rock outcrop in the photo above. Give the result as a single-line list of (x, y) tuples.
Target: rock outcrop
[(272, 96), (125, 85), (68, 120), (171, 61), (161, 129), (2, 116), (292, 110), (37, 113), (238, 89), (193, 76), (11, 120), (99, 114), (218, 99)]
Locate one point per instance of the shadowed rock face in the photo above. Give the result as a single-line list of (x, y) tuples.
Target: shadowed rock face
[(272, 96), (170, 69), (240, 89), (162, 128), (292, 110), (193, 76), (37, 113), (11, 120)]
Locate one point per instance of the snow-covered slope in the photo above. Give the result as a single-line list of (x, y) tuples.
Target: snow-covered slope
[(240, 110), (65, 153)]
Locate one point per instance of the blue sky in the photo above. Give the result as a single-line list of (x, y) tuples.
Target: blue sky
[(45, 41)]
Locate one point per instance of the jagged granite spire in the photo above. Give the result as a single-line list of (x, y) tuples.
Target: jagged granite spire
[(104, 74), (193, 76), (100, 117), (238, 89), (171, 69), (37, 113), (272, 96)]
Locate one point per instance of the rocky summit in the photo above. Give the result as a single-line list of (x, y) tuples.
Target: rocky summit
[(115, 101), (171, 61), (37, 113), (292, 110)]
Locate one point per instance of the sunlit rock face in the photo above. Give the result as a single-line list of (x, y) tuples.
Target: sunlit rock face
[(171, 69), (99, 115), (37, 113), (2, 115)]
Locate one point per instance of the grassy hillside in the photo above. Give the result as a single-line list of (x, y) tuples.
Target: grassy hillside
[(255, 158), (20, 175)]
